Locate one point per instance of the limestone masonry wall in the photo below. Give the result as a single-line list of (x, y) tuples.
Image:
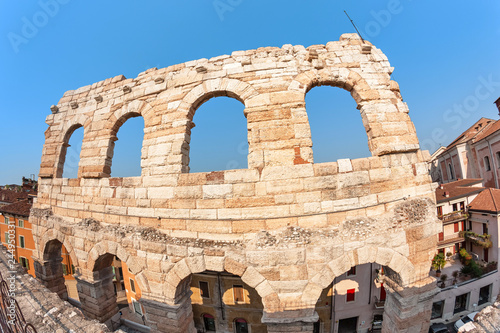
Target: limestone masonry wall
[(285, 225)]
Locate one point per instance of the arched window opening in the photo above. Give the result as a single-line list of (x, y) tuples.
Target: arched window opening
[(240, 325), (57, 262), (219, 140), (209, 322), (337, 130), (70, 153), (126, 154)]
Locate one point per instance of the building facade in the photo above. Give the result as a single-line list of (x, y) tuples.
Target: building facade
[(469, 241)]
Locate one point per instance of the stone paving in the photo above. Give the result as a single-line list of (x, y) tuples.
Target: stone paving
[(44, 309)]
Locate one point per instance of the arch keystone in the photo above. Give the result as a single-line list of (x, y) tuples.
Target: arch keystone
[(252, 277)]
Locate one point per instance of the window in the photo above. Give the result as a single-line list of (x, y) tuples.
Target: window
[(455, 227), (440, 211), (7, 238), (437, 309), (6, 220), (484, 294), (441, 237), (241, 326), (498, 158), (455, 207), (21, 242), (350, 295), (209, 322), (204, 289), (352, 271), (132, 285), (487, 166), (137, 307), (461, 303), (238, 294), (21, 223), (485, 228), (24, 262), (65, 269), (451, 171)]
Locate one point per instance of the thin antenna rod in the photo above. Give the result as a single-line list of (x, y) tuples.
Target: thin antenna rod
[(354, 26)]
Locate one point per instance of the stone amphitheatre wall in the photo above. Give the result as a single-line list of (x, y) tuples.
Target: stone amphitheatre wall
[(286, 225)]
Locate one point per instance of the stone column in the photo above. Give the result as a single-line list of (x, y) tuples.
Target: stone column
[(408, 309), (97, 296), (165, 318), (50, 273)]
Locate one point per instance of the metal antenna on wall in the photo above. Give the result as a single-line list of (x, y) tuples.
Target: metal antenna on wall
[(354, 25)]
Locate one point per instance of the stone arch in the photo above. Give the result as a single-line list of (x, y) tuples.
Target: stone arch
[(49, 246), (367, 254), (102, 253), (236, 89), (192, 265), (135, 108), (200, 94), (384, 137), (67, 132)]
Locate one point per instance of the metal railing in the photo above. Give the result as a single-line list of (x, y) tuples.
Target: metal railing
[(11, 316), (453, 216)]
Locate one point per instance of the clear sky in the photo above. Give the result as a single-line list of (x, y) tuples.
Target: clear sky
[(446, 57)]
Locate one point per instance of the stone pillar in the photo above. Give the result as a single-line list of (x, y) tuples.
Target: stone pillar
[(408, 309), (164, 318), (97, 296), (50, 273)]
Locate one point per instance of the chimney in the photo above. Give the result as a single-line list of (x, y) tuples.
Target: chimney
[(447, 194), (441, 186), (497, 102)]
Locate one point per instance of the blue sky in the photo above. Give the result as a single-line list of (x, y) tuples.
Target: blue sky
[(445, 54)]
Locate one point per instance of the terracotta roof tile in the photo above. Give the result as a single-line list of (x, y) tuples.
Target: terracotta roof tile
[(19, 208), (488, 201), (12, 196), (488, 131), (458, 189), (478, 128)]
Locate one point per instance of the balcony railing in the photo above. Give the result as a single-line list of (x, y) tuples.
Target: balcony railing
[(451, 239), (379, 304), (453, 216)]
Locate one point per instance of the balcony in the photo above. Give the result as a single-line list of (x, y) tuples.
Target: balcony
[(450, 239), (453, 217), (379, 304)]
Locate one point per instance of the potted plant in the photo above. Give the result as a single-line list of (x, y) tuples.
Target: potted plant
[(448, 255), (438, 263), (455, 276), (443, 280)]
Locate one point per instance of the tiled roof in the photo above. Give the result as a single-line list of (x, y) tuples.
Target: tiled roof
[(487, 201), (488, 131), (458, 189), (19, 208), (478, 128), (12, 196)]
